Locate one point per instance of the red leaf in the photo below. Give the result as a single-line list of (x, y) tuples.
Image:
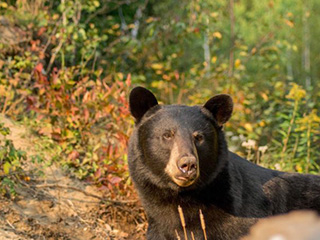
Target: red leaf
[(115, 180), (41, 31), (73, 155), (86, 115)]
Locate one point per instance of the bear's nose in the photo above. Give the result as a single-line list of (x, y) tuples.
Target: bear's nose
[(187, 165)]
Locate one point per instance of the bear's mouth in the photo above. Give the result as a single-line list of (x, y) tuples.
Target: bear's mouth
[(184, 181)]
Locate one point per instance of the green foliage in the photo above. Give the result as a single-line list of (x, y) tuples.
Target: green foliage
[(291, 135), (10, 162), (72, 76)]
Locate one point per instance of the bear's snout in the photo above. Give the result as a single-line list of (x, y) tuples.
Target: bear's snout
[(183, 164), (187, 166)]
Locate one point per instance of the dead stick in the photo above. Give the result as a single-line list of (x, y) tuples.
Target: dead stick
[(203, 225), (177, 234), (192, 236), (183, 222)]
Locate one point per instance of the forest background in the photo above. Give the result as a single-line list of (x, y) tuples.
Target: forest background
[(66, 68)]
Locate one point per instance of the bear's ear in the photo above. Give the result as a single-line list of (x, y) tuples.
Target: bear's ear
[(140, 101), (221, 107)]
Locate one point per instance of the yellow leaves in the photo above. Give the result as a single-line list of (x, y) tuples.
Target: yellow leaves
[(248, 127), (96, 3), (157, 66), (289, 20), (158, 84), (150, 19), (6, 167), (294, 48), (69, 134), (311, 120), (214, 59), (296, 92), (3, 5), (214, 14), (217, 35), (289, 23), (205, 64), (116, 26), (262, 123), (3, 90), (264, 96), (289, 14), (120, 76), (131, 26), (55, 16), (299, 169), (243, 54), (193, 70), (237, 63), (307, 14)]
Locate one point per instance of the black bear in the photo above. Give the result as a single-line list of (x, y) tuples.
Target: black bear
[(178, 156)]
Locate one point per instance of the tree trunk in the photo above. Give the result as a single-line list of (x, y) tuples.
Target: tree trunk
[(306, 65)]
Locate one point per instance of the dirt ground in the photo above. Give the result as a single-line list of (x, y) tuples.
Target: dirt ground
[(58, 206)]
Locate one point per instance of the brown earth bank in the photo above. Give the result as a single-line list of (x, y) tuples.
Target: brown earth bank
[(57, 206)]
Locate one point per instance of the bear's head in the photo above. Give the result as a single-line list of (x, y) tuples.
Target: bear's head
[(180, 146)]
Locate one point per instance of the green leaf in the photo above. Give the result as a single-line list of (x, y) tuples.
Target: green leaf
[(6, 167)]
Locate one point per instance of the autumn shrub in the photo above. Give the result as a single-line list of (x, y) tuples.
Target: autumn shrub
[(55, 86), (90, 121)]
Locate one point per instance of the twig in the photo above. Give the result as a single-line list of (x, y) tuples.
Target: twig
[(14, 173), (10, 224), (85, 193), (203, 225), (53, 56), (183, 222), (177, 234), (286, 140), (13, 105), (192, 236), (6, 101)]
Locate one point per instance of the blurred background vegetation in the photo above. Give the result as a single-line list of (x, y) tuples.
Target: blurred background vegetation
[(66, 68)]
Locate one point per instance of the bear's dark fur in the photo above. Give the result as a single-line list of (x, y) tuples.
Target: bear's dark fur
[(178, 156)]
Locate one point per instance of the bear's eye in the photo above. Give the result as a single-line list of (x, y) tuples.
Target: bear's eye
[(198, 137), (168, 135)]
